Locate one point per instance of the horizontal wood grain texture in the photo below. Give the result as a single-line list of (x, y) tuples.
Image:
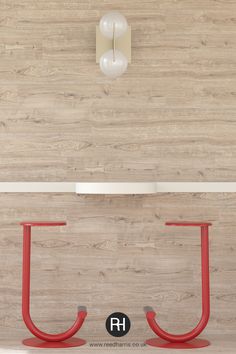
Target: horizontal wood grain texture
[(116, 254), (171, 117)]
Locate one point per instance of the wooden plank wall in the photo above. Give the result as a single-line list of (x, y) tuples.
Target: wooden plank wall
[(117, 255), (171, 117)]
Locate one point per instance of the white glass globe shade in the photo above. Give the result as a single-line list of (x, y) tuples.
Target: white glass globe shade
[(113, 68), (110, 20)]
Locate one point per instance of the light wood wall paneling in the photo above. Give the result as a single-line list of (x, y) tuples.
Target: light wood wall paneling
[(170, 117), (117, 254)]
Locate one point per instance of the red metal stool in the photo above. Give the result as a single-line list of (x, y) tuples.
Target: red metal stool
[(44, 340), (187, 340)]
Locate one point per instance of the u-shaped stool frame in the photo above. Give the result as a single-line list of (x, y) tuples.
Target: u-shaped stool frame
[(179, 340), (51, 338)]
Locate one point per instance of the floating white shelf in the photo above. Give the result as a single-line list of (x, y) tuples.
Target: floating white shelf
[(117, 187), (155, 187)]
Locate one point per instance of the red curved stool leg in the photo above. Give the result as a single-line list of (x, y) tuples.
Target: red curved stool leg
[(187, 340), (44, 340)]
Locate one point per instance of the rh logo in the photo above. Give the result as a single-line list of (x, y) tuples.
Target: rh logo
[(118, 324)]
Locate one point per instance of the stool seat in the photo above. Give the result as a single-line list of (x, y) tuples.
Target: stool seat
[(43, 223), (188, 223)]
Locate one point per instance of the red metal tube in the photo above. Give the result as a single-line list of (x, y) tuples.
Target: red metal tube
[(82, 313), (150, 314)]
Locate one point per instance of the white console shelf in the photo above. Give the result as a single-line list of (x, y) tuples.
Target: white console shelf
[(113, 188), (154, 187)]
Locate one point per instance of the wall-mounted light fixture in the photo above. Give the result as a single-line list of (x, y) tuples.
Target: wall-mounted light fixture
[(113, 44)]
